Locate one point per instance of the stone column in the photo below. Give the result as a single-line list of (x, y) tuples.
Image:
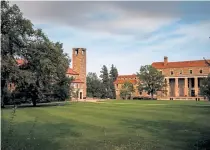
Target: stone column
[(196, 86), (167, 87), (190, 86), (176, 87), (186, 87)]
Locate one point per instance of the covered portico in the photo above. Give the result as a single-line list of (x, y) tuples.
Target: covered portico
[(184, 87)]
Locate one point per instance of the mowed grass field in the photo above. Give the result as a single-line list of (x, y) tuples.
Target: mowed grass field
[(109, 125)]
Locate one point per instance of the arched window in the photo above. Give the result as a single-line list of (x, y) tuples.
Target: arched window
[(201, 71)]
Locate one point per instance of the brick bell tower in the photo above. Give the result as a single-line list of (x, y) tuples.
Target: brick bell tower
[(79, 65)]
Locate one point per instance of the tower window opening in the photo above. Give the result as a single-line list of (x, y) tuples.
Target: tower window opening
[(76, 52), (83, 52)]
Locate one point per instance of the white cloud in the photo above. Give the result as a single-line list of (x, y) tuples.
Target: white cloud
[(115, 39)]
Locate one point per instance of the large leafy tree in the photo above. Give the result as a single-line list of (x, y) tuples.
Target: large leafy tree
[(105, 82), (127, 90), (15, 31), (45, 63), (205, 87), (151, 80), (46, 67), (113, 74), (94, 85)]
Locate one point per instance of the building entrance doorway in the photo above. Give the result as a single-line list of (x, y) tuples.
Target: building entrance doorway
[(193, 93), (80, 95)]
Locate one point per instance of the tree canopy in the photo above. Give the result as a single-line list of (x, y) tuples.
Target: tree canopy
[(113, 74), (94, 85), (205, 87), (150, 80), (127, 90), (106, 93), (44, 62), (102, 87)]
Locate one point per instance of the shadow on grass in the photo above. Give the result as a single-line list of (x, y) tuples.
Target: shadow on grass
[(174, 135), (27, 105), (63, 136), (32, 136)]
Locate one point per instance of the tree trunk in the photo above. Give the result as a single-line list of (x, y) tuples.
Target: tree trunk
[(34, 102), (3, 83), (152, 95), (2, 104)]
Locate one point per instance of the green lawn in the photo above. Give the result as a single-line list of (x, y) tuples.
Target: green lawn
[(109, 125)]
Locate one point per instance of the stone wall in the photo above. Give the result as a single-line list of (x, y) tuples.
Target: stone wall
[(185, 71)]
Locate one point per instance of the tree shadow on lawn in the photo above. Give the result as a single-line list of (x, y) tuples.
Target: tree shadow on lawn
[(173, 134), (44, 137), (32, 136), (27, 105)]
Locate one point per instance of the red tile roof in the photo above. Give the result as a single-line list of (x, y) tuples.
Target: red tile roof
[(77, 81), (123, 81), (180, 64), (72, 72), (127, 76), (20, 61)]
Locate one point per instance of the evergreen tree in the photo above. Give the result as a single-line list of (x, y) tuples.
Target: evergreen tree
[(113, 76), (105, 82)]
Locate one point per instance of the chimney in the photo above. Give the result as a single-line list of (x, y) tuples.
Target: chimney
[(165, 60)]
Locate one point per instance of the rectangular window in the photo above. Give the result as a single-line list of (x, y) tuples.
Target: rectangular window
[(180, 72), (160, 72), (172, 72), (190, 71)]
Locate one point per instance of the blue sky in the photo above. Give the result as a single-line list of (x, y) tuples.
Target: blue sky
[(126, 34)]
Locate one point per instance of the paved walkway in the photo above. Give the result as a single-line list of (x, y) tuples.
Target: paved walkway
[(88, 100)]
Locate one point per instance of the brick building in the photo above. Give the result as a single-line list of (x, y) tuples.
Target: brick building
[(183, 79), (121, 79)]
